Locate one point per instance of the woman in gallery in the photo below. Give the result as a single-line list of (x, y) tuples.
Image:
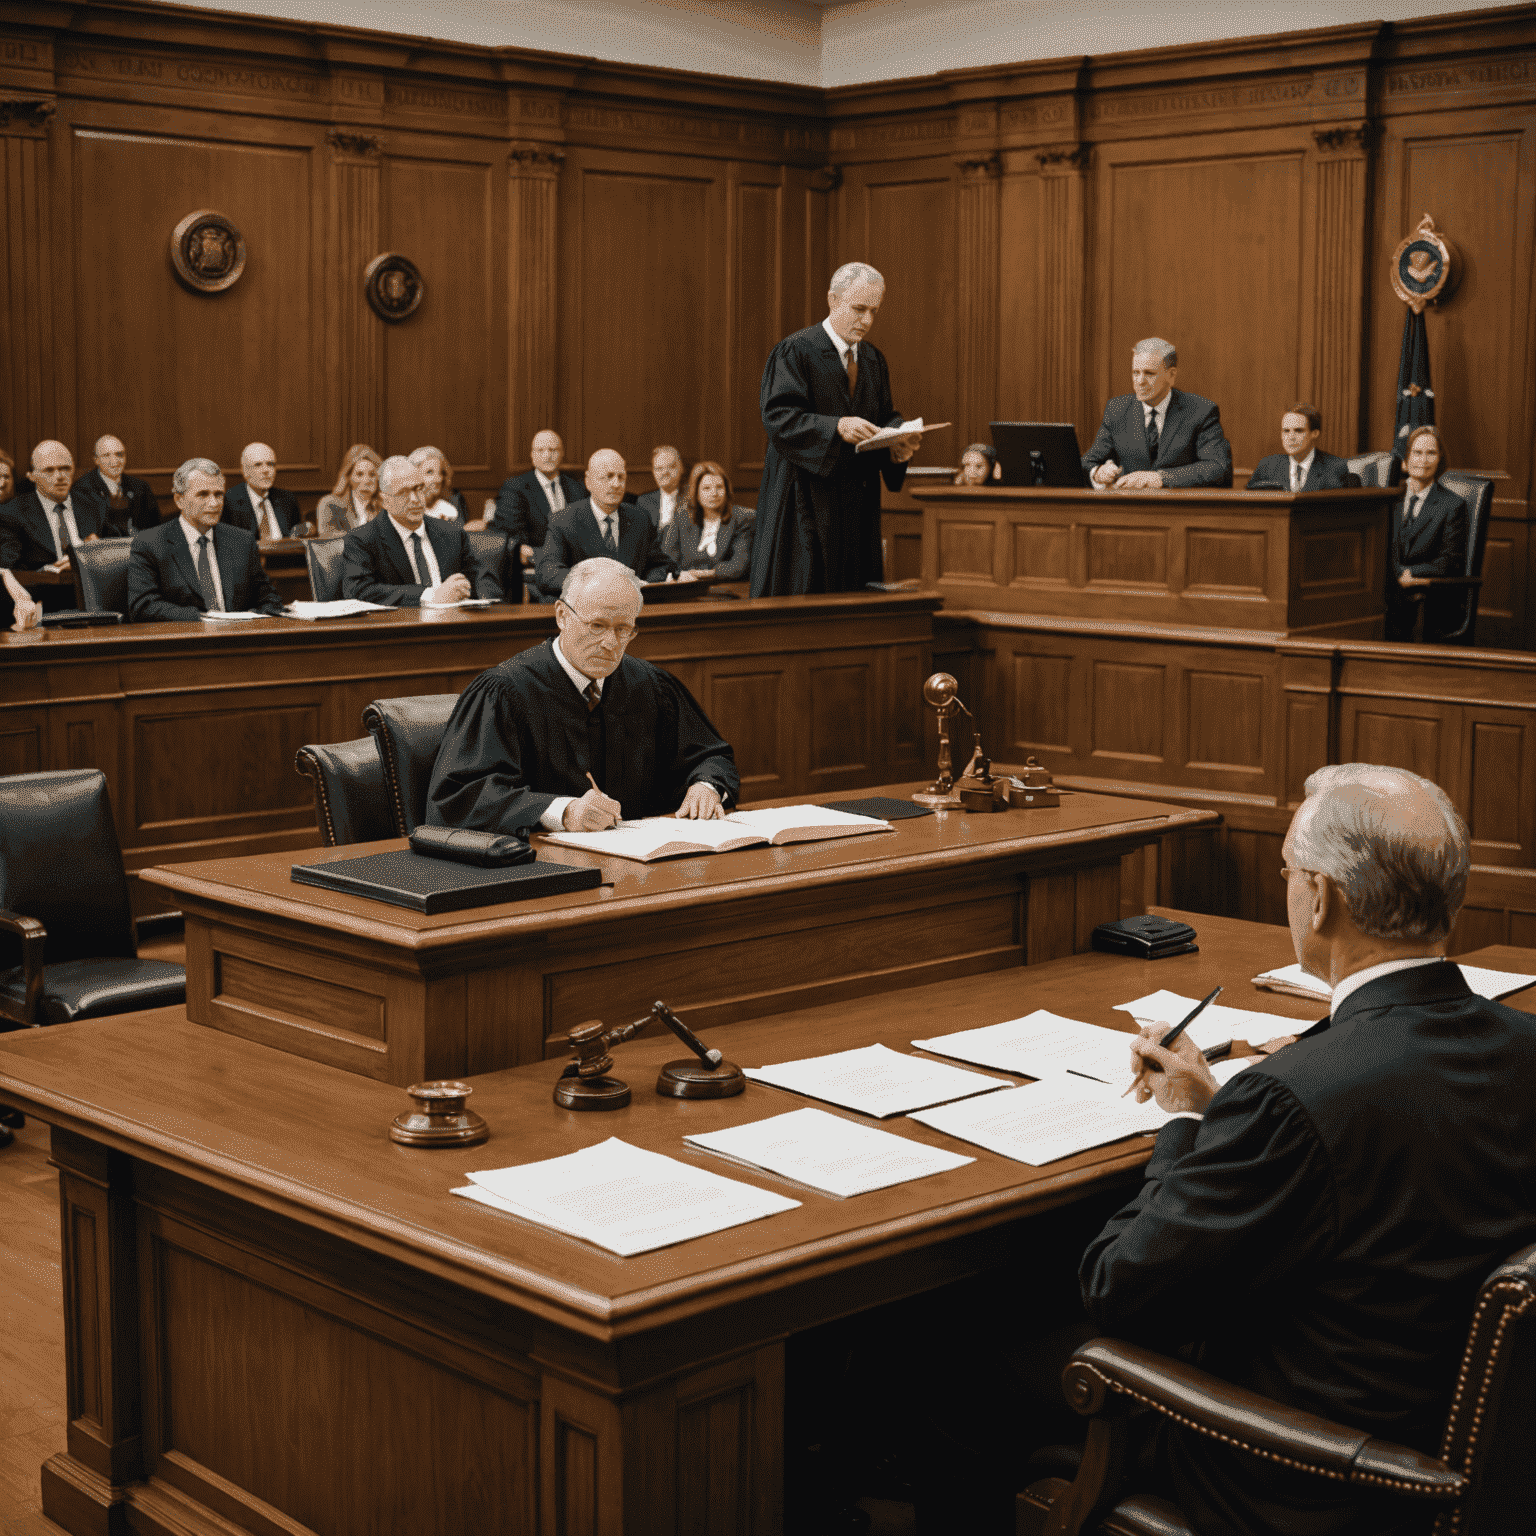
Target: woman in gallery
[(354, 499), (710, 537)]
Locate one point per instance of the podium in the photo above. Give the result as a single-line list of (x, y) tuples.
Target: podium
[(1310, 563)]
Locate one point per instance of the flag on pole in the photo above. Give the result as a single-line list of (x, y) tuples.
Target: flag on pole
[(1415, 398)]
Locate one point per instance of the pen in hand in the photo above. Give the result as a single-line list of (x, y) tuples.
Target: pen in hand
[(1147, 1064)]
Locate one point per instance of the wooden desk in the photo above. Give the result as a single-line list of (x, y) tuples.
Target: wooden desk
[(1313, 563), (196, 725), (402, 997), (277, 1316)]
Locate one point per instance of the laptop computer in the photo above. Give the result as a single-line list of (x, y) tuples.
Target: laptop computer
[(1039, 453)]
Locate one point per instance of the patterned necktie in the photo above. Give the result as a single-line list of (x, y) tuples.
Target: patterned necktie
[(1295, 475), (610, 537), (853, 368), (268, 522), (592, 695), (418, 560), (1152, 435), (205, 577)]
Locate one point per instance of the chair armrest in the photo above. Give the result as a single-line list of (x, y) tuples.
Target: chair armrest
[(1252, 1423), (1452, 581), (34, 939)]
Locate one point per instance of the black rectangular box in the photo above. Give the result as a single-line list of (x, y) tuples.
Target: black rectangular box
[(430, 886)]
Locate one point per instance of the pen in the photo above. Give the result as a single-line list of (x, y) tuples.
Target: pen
[(1173, 1034), (593, 782)]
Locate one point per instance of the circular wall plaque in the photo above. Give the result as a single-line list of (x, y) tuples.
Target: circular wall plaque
[(207, 251), (393, 285), (1422, 266)]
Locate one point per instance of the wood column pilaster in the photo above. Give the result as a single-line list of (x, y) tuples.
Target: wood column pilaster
[(1060, 289), (30, 381), (356, 334), (533, 211), (976, 266), (1338, 326)]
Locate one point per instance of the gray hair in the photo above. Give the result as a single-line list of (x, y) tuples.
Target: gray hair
[(183, 476), (1391, 843), (419, 456), (1158, 348), (587, 573), (852, 272), (394, 466)]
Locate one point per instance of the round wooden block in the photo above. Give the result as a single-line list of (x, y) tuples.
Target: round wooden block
[(438, 1117), (591, 1093), (935, 801), (691, 1079)]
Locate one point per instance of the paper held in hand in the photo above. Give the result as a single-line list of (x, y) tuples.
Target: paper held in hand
[(889, 434)]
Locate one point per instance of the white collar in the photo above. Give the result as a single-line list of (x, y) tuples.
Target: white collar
[(49, 504), (843, 347), (1160, 410), (549, 480), (579, 680), (254, 496), (1304, 464), (404, 532), (1357, 979), (115, 486), (191, 532)]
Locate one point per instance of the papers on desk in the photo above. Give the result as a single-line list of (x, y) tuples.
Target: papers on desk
[(875, 1080), (835, 1156), (467, 602), (1041, 1044), (1044, 1121), (342, 608), (666, 837), (623, 1198), (1295, 982), (239, 616), (1217, 1027)]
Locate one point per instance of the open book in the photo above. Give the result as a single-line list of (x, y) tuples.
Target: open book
[(890, 434), (665, 837)]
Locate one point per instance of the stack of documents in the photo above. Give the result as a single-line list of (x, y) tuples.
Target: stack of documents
[(623, 1198), (342, 608), (1216, 1028), (1041, 1044), (1291, 979), (875, 1080), (836, 1156)]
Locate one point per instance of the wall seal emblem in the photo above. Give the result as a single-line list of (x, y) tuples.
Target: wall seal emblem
[(207, 251), (393, 286), (1424, 267)]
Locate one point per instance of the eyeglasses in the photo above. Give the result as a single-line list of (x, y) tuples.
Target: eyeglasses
[(600, 631), (1286, 872)]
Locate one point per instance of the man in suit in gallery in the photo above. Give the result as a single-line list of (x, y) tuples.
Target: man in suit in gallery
[(525, 503), (407, 559), (1158, 435), (124, 502), (193, 564), (38, 527), (1303, 466), (256, 504), (601, 525), (660, 505)]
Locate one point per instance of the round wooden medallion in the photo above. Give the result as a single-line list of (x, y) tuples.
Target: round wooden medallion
[(207, 251)]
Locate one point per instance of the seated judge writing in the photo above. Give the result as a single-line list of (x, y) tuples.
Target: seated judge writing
[(38, 528), (526, 502), (1303, 466), (601, 524), (1158, 435), (442, 500), (123, 501), (1318, 1227), (406, 559), (257, 504), (660, 505), (1429, 538), (193, 564), (354, 499), (525, 736), (710, 537)]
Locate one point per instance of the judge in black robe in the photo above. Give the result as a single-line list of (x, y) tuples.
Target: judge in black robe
[(818, 508)]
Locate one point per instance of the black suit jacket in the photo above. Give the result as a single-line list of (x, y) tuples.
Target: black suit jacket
[(1193, 450), (1432, 544), (1327, 473), (375, 567), (522, 509), (26, 539), (1323, 1231), (162, 575), (732, 558), (143, 505), (239, 512), (573, 537)]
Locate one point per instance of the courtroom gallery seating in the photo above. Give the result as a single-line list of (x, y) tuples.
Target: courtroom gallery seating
[(493, 555), (1477, 492), (101, 575), (1372, 467), (64, 895), (323, 556), (1479, 1484), (352, 801), (409, 731)]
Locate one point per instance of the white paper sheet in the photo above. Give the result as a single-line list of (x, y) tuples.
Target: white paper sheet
[(342, 608), (1225, 1071), (875, 1080), (1044, 1121), (824, 821), (1218, 1026), (623, 1198), (1039, 1045), (1485, 983), (836, 1156), (238, 616), (467, 602)]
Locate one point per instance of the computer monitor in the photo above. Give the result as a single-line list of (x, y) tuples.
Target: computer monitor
[(1038, 453)]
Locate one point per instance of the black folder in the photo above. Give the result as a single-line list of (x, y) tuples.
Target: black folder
[(406, 879)]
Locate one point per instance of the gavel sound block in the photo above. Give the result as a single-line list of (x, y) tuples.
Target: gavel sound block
[(585, 1084)]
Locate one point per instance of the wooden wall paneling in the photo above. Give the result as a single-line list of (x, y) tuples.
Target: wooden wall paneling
[(1020, 344), (1058, 288), (760, 244), (1500, 909), (976, 271), (1339, 176), (32, 384), (354, 334), (535, 368), (1499, 772)]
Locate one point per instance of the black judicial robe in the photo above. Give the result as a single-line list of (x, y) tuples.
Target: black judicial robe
[(818, 508), (1322, 1234), (521, 734)]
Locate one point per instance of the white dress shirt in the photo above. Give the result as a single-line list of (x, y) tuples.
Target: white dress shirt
[(267, 526), (1300, 469), (114, 487), (360, 508), (602, 518), (668, 506), (55, 510), (1160, 410), (432, 576), (1413, 505), (554, 493), (708, 531), (1356, 980), (192, 534), (553, 819), (843, 347)]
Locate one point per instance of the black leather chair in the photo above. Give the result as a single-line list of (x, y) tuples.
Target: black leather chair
[(323, 557), (1382, 469), (352, 803), (491, 551), (1479, 1485), (409, 732), (100, 569), (1477, 492), (72, 948)]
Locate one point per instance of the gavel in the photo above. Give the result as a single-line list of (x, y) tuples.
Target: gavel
[(585, 1083)]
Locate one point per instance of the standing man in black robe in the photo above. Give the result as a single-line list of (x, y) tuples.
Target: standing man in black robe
[(524, 736), (826, 389)]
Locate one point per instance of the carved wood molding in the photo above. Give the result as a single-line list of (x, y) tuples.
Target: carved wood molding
[(1350, 138), (541, 161), (1064, 158), (345, 142), (34, 111), (979, 167), (827, 178)]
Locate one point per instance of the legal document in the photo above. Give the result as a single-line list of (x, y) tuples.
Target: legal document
[(875, 1080), (341, 608), (1218, 1026), (1291, 979), (1041, 1044)]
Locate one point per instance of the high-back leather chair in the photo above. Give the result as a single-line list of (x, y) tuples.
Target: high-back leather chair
[(1479, 1485), (1477, 492), (409, 732), (67, 923), (491, 553), (1382, 469), (100, 569), (352, 803), (323, 557)]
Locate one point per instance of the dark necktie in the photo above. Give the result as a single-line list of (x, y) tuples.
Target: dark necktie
[(1152, 437), (205, 577), (853, 369), (1295, 475), (592, 695), (418, 559), (610, 538)]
